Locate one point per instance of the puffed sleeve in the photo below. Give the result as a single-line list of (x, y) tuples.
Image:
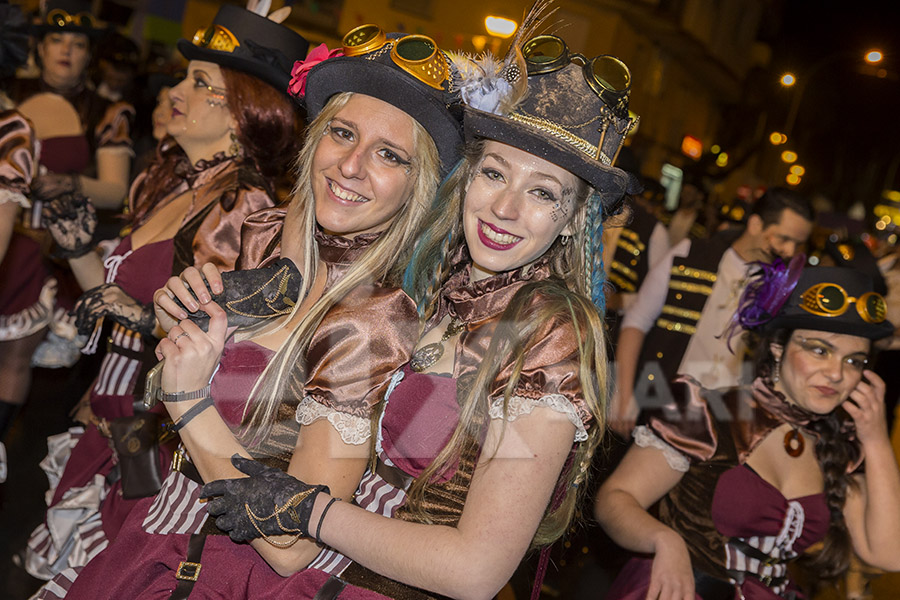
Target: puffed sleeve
[(261, 238), (17, 164), (549, 378), (218, 237), (358, 346), (683, 429), (114, 129)]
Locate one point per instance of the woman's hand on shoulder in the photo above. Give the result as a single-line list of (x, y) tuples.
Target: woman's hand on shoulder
[(192, 354), (190, 289), (866, 406), (671, 577)]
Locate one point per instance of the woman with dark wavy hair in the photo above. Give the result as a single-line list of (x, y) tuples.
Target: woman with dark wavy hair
[(232, 131), (748, 479)]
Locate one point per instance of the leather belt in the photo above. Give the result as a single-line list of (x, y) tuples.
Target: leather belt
[(393, 475), (189, 569), (331, 589)]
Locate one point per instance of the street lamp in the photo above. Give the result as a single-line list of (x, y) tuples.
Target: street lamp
[(500, 26), (788, 79), (874, 56)]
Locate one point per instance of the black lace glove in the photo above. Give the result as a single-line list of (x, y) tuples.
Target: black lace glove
[(269, 502), (109, 300), (51, 186), (68, 215)]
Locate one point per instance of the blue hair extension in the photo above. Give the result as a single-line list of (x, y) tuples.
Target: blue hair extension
[(594, 258)]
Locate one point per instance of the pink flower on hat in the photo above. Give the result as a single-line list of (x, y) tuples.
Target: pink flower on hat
[(297, 86)]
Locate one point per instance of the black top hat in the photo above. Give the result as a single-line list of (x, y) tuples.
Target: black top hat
[(376, 74), (564, 121), (69, 16), (835, 299), (245, 41)]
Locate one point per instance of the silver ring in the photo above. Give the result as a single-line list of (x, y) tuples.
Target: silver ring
[(179, 336)]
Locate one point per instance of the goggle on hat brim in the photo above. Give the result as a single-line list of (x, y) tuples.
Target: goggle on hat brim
[(267, 49), (392, 85), (848, 321)]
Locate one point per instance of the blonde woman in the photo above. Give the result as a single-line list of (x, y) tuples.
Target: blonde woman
[(369, 168)]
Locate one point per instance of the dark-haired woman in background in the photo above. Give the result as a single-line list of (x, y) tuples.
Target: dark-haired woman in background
[(232, 131), (748, 479), (85, 144)]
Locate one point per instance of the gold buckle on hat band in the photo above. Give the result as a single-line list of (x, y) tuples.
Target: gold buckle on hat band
[(216, 37)]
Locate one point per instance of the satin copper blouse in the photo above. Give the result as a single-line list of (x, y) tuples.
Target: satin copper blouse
[(360, 343)]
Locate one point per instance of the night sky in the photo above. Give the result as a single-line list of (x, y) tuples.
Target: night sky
[(847, 129)]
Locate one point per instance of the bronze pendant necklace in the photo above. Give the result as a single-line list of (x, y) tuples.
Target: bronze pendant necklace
[(429, 354), (794, 443)]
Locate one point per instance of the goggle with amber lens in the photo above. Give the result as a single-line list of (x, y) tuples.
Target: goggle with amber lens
[(608, 76), (831, 300), (61, 18), (216, 37), (418, 55)]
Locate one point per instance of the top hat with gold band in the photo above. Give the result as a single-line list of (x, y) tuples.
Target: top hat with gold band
[(574, 115), (835, 299), (245, 41), (68, 16), (406, 71)]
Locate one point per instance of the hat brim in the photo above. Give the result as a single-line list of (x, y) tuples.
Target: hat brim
[(608, 181), (351, 74), (872, 331), (44, 28), (267, 73)]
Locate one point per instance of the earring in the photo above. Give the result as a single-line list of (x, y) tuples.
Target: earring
[(776, 377), (564, 239), (235, 148)]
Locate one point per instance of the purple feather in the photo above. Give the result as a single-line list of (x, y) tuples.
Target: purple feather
[(766, 293)]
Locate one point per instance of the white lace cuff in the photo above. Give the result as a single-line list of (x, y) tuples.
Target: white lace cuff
[(353, 430), (11, 196), (644, 437), (519, 405)]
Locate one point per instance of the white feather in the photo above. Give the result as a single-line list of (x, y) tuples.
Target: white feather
[(260, 7), (486, 82)]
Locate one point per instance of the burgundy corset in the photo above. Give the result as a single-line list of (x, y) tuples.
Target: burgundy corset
[(420, 416), (66, 154), (239, 368), (746, 505), (143, 271)]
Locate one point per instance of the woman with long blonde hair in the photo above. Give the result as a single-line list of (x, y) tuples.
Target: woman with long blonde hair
[(368, 170)]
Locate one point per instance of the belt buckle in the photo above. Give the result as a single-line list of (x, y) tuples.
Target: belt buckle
[(178, 459), (188, 571)]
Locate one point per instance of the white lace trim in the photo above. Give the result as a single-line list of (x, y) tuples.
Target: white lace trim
[(644, 437), (11, 196), (519, 405), (353, 430)]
